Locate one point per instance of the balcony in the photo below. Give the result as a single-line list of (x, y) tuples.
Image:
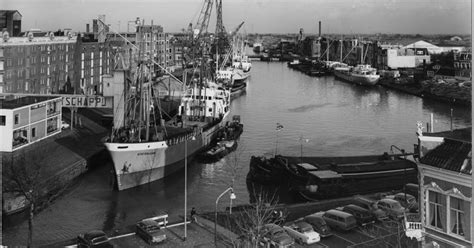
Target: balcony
[(413, 226)]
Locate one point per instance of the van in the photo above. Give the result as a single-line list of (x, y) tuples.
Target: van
[(340, 220), (371, 206), (362, 215)]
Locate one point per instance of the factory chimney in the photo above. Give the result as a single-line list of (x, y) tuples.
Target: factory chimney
[(319, 28), (87, 27)]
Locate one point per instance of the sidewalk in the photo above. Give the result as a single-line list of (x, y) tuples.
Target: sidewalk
[(199, 234)]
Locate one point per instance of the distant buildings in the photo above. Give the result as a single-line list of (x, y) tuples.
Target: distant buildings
[(393, 58), (445, 168), (432, 49), (462, 64), (10, 21), (27, 120)]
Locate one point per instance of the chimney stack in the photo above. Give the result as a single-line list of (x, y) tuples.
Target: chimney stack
[(87, 28), (319, 28)]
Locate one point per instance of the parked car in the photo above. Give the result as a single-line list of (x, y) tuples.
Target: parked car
[(302, 232), (372, 207), (319, 224), (340, 220), (95, 239), (150, 231), (362, 215), (407, 201), (392, 207), (276, 236), (64, 125)]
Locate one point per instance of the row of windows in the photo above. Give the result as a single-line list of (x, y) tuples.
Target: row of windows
[(447, 213), (462, 65), (38, 48)]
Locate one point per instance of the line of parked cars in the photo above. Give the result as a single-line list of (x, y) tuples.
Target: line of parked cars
[(361, 212), (151, 230)]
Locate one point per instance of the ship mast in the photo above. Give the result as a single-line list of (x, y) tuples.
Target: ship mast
[(140, 80)]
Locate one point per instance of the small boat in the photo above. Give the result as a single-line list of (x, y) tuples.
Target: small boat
[(316, 178), (257, 47), (227, 142), (294, 63)]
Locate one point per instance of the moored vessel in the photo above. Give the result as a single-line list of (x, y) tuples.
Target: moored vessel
[(316, 178), (361, 74)]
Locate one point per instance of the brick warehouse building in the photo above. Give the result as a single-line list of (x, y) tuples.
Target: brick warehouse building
[(94, 61), (53, 64), (38, 65)]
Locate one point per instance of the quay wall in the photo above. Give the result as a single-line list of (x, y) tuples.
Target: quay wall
[(63, 159)]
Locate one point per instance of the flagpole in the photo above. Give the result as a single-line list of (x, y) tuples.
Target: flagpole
[(301, 154), (276, 143)]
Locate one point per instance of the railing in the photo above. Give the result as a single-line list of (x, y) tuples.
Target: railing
[(413, 225)]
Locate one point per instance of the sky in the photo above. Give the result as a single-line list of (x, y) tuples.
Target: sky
[(260, 16)]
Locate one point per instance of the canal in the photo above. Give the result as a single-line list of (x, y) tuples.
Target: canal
[(333, 118)]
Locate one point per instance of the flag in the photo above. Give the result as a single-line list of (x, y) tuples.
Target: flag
[(279, 127)]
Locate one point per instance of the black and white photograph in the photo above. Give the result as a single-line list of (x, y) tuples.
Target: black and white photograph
[(236, 123)]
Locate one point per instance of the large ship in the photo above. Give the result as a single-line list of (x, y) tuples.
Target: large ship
[(146, 154), (361, 74), (146, 145)]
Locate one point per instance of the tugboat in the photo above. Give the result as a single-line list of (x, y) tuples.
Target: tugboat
[(227, 142)]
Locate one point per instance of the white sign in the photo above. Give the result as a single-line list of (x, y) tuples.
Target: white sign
[(81, 101)]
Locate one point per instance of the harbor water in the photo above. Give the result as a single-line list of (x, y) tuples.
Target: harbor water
[(320, 117)]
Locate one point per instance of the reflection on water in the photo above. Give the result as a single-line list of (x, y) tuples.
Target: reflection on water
[(336, 117)]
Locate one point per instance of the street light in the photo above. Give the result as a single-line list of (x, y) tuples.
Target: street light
[(232, 197), (186, 184)]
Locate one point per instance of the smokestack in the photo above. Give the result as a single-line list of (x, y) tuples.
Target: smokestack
[(319, 28), (87, 28)]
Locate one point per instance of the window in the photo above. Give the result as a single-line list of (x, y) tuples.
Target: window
[(2, 120), (17, 118), (456, 216), (436, 211), (33, 132)]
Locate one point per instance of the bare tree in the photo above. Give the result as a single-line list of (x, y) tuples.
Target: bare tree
[(250, 221), (23, 175)]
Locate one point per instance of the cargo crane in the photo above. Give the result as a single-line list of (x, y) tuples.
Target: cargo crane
[(229, 52), (199, 44)]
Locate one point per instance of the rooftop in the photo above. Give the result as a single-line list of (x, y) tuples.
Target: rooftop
[(464, 134), (23, 101), (453, 155)]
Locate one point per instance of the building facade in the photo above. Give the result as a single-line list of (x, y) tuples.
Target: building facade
[(445, 168), (95, 60), (38, 65), (29, 119), (405, 58), (462, 64), (10, 21)]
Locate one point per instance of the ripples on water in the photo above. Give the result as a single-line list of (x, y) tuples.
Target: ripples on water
[(337, 118)]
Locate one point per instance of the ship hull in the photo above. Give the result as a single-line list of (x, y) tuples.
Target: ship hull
[(240, 76), (356, 79), (141, 163)]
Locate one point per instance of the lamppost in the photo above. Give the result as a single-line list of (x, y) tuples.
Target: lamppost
[(232, 197), (186, 184)]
